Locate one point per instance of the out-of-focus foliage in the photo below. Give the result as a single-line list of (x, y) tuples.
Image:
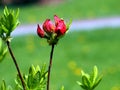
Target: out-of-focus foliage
[(35, 80), (8, 22), (3, 50), (4, 87), (90, 81)]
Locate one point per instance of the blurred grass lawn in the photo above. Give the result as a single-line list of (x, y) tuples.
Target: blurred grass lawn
[(76, 51), (70, 9)]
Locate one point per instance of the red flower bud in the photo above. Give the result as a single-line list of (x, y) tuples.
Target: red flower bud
[(60, 26), (57, 19), (52, 32), (40, 32), (48, 26)]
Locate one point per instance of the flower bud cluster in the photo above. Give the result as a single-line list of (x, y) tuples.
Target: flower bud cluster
[(52, 32)]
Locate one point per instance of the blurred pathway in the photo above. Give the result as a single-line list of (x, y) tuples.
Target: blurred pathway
[(112, 22)]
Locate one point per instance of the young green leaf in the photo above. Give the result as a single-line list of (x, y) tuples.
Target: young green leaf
[(86, 81), (90, 81), (69, 24), (3, 86), (8, 22), (62, 88), (3, 50), (36, 79), (97, 81)]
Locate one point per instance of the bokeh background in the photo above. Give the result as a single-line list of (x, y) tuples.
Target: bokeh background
[(78, 50)]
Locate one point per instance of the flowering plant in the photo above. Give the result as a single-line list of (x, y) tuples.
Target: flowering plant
[(52, 32), (37, 78)]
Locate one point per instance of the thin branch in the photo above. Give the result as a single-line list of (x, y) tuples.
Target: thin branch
[(16, 65)]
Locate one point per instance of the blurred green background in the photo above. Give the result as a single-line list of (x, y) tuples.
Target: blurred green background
[(76, 51), (69, 9)]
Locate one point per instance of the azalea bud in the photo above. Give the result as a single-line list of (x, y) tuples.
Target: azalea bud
[(40, 32), (60, 28), (48, 26), (52, 32), (57, 19)]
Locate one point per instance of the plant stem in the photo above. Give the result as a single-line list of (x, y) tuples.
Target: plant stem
[(16, 65), (50, 65)]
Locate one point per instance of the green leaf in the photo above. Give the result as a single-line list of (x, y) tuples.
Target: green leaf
[(3, 86), (42, 71), (62, 88), (97, 81), (85, 81), (6, 11), (36, 79), (0, 44), (17, 13), (68, 24), (4, 29), (3, 50), (33, 81), (37, 68), (90, 81), (93, 76), (3, 53), (95, 73), (8, 22), (29, 81), (32, 70), (18, 83), (15, 25), (85, 74), (80, 84)]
